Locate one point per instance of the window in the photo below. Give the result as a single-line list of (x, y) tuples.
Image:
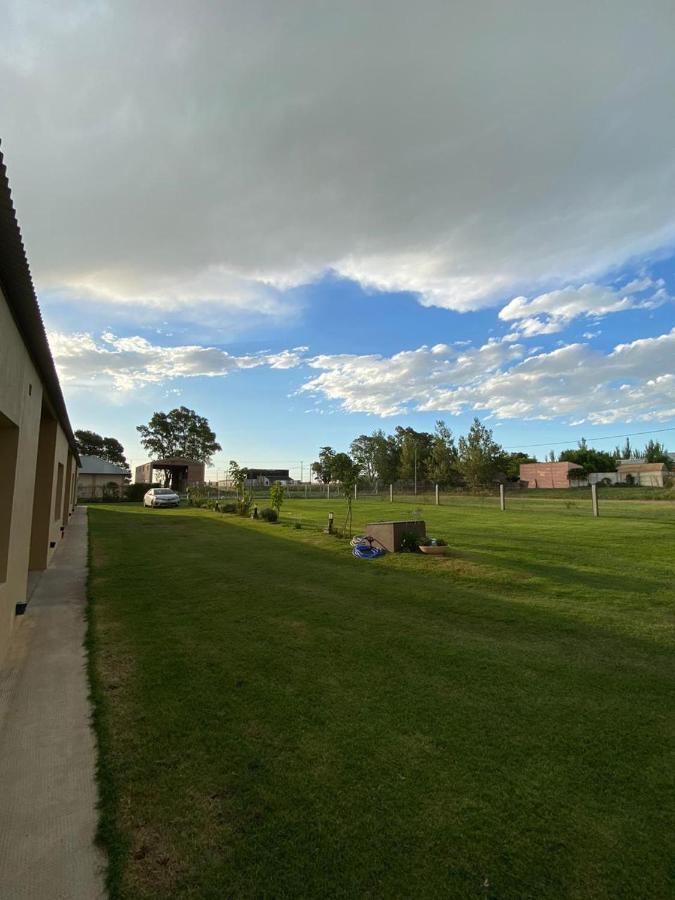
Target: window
[(59, 492), (9, 444)]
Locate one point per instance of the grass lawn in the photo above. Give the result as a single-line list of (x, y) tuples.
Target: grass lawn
[(279, 719)]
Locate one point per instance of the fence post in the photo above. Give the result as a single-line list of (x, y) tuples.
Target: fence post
[(391, 493), (594, 500), (305, 492), (355, 492), (502, 498), (437, 500), (328, 491)]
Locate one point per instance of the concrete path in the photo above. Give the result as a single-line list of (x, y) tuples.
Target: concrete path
[(47, 749)]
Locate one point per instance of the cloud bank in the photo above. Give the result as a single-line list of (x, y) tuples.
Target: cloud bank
[(163, 152), (131, 362), (575, 383)]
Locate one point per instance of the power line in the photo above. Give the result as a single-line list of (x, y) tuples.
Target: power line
[(606, 437)]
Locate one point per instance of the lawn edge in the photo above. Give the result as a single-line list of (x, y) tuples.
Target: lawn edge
[(108, 834)]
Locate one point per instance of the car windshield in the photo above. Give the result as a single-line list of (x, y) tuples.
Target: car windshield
[(164, 491)]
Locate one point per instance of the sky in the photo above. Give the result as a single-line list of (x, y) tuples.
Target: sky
[(309, 220)]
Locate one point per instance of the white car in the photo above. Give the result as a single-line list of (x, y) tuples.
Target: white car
[(161, 497)]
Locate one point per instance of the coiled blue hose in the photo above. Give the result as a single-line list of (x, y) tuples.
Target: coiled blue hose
[(367, 551)]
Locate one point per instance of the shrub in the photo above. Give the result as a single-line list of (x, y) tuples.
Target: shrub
[(244, 505), (136, 491), (228, 507), (277, 493), (269, 514), (410, 542)]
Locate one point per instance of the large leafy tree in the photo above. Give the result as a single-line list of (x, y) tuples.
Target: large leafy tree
[(442, 462), (377, 455), (590, 459), (323, 467), (414, 447), (180, 432), (89, 443), (481, 458), (655, 452)]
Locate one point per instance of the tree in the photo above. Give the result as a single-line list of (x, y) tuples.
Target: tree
[(442, 461), (513, 461), (364, 452), (655, 452), (480, 457), (415, 447), (387, 456), (590, 459), (89, 443), (322, 468), (277, 494), (180, 432), (238, 476), (347, 472)]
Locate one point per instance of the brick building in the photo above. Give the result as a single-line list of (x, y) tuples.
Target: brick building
[(549, 474)]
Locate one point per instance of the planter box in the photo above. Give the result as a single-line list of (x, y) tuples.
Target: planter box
[(389, 534), (434, 551)]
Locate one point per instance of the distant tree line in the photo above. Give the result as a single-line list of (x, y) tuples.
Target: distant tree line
[(474, 460)]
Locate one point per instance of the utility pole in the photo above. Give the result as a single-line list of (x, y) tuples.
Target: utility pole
[(302, 472)]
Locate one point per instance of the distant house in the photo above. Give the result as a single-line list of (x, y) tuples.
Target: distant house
[(642, 473), (99, 478), (550, 474), (175, 472), (266, 477)]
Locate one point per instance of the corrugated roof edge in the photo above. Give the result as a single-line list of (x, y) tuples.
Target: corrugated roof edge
[(19, 291)]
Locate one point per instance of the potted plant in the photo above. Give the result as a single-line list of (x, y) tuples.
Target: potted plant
[(433, 546)]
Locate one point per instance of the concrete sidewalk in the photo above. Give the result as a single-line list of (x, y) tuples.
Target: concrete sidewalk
[(47, 749)]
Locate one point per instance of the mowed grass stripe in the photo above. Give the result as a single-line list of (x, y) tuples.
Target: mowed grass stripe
[(280, 719)]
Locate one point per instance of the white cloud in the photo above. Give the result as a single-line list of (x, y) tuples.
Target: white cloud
[(553, 311), (130, 362), (161, 155), (633, 382)]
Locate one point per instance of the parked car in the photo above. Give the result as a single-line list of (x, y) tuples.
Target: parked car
[(161, 497)]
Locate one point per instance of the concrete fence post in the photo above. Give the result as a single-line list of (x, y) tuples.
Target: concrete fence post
[(594, 500), (328, 491), (355, 489), (391, 493), (502, 498), (437, 498)]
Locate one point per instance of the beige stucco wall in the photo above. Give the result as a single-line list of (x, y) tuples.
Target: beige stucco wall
[(93, 485), (21, 402)]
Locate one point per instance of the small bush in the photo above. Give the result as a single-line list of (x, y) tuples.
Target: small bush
[(410, 542), (228, 507), (136, 491), (244, 505), (269, 514)]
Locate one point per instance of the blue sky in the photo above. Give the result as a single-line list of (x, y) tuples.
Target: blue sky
[(310, 224)]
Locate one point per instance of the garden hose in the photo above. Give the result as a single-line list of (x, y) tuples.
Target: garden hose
[(362, 548)]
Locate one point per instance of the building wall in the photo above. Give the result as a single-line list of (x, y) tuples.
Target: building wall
[(545, 475), (92, 485), (21, 415)]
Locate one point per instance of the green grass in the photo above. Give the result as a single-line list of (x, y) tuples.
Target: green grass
[(279, 719)]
